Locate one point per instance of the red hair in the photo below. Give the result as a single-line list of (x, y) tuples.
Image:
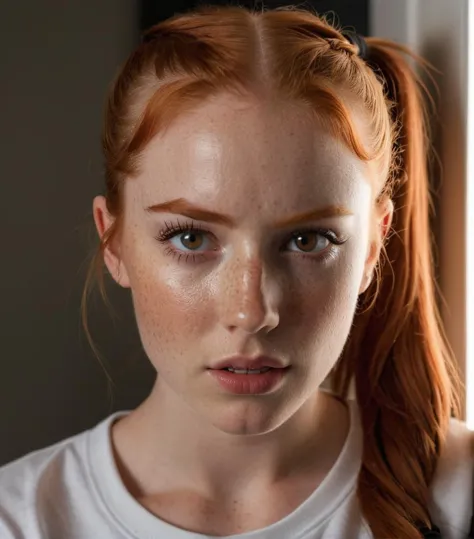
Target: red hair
[(405, 379)]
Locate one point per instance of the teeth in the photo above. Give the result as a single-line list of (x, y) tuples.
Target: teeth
[(248, 371)]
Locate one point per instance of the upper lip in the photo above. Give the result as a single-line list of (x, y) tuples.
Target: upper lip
[(245, 362)]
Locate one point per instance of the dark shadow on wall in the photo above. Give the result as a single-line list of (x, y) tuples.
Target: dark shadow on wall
[(58, 59), (349, 13)]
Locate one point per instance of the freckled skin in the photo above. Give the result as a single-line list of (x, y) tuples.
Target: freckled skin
[(253, 291)]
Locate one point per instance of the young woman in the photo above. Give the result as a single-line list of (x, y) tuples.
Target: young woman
[(267, 205)]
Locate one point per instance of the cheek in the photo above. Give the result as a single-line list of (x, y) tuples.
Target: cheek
[(170, 305), (321, 306)]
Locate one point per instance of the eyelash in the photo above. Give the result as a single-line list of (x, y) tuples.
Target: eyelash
[(171, 230)]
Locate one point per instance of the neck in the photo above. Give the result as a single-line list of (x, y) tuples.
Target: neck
[(163, 445)]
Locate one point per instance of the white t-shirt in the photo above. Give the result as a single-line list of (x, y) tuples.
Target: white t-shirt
[(72, 490)]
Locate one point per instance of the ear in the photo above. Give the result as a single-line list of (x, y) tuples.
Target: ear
[(112, 255), (383, 223)]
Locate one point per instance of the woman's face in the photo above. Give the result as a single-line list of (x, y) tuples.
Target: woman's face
[(244, 282)]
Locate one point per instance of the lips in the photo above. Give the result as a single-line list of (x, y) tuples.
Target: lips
[(243, 362)]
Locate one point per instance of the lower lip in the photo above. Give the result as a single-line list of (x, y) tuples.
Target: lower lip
[(248, 384)]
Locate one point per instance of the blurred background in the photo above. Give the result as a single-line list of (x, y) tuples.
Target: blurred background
[(58, 59)]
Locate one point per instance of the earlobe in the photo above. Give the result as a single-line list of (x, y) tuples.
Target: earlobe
[(366, 282), (112, 259), (387, 218)]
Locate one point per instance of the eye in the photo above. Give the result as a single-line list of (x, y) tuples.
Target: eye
[(314, 241), (191, 240), (185, 239), (310, 241)]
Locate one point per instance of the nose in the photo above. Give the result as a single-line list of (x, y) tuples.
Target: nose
[(248, 297)]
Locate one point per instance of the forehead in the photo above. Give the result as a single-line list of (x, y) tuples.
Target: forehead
[(235, 151)]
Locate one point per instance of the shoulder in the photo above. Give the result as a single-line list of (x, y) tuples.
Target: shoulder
[(452, 487), (31, 464), (35, 489), (30, 481)]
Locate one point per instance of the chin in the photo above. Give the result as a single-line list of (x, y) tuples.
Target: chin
[(248, 418)]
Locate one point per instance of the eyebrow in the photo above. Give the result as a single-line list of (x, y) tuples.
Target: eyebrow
[(182, 206)]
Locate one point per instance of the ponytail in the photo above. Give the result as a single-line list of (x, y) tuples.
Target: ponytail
[(405, 378)]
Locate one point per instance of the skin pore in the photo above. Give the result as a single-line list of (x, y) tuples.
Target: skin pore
[(192, 454)]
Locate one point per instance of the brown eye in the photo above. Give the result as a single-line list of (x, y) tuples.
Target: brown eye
[(191, 240), (310, 242)]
